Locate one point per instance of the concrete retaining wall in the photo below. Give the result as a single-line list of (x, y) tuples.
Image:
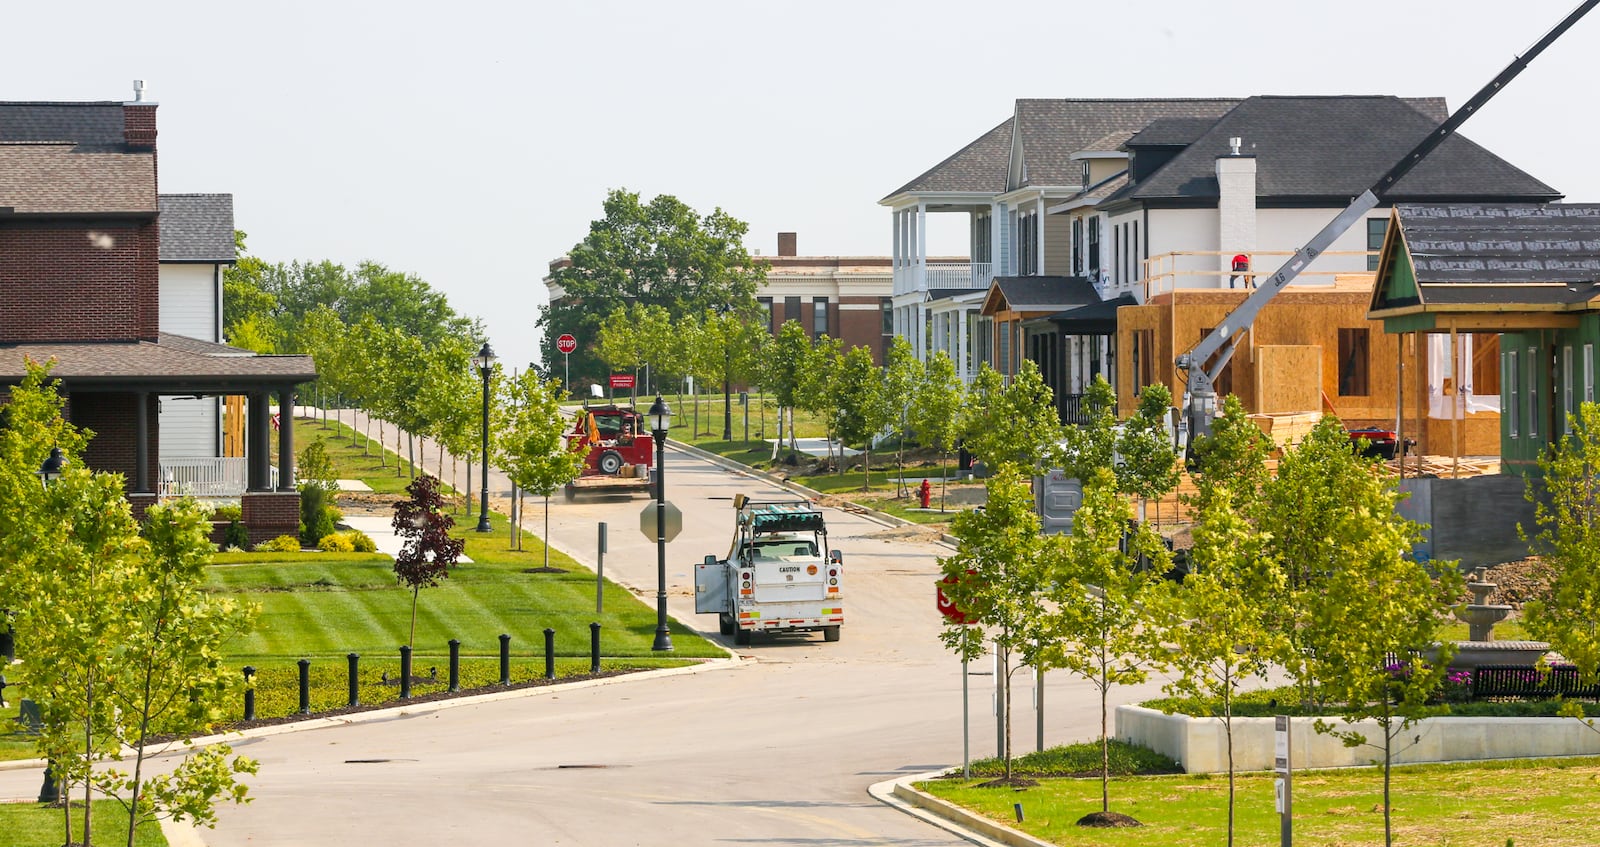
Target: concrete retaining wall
[(1473, 519), (1200, 744)]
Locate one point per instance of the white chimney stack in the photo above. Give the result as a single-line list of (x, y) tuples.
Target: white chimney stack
[(138, 91), (1234, 144)]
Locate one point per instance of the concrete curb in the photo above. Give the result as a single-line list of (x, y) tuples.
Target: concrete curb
[(898, 793)]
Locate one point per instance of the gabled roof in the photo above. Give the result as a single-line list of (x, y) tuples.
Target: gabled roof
[(1048, 132), (978, 167), (73, 159), (1499, 257), (1094, 319), (174, 363), (1038, 294), (197, 228), (1333, 148)]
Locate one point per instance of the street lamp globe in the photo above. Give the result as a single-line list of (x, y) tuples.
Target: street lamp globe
[(660, 415), (485, 358), (50, 471)]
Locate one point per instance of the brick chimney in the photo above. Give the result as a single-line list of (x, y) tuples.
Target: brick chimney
[(139, 120), (786, 244)]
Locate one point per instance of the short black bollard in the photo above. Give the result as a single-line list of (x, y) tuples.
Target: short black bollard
[(505, 659), (249, 694), (455, 665), (549, 653), (305, 686), (355, 677), (50, 791), (594, 648), (405, 672)]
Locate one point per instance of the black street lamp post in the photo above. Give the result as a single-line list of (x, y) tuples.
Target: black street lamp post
[(49, 472), (485, 363), (661, 418)]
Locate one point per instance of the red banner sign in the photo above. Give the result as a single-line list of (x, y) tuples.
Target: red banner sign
[(622, 380)]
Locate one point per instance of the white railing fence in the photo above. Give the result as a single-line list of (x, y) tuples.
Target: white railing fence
[(206, 477)]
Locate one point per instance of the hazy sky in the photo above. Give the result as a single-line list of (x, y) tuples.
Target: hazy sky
[(471, 143)]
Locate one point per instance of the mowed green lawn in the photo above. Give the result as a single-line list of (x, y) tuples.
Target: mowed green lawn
[(33, 825), (1533, 803)]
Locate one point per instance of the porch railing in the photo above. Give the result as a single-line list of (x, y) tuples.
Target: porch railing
[(1072, 409), (959, 274), (1203, 269), (207, 477)]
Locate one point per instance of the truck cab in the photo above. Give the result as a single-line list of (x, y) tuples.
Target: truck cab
[(775, 578)]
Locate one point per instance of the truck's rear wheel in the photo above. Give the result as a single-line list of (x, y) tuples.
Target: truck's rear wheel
[(830, 633), (610, 462), (725, 623), (570, 491), (741, 637)]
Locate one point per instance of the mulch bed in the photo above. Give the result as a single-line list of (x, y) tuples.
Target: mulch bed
[(1107, 819)]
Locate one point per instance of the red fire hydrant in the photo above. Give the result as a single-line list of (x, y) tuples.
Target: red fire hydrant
[(925, 493)]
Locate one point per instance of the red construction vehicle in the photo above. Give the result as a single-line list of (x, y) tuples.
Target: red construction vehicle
[(621, 454)]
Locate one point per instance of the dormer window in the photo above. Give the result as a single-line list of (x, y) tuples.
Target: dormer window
[(1085, 174)]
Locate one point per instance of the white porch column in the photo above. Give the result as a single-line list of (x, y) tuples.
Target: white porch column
[(1038, 233), (963, 344)]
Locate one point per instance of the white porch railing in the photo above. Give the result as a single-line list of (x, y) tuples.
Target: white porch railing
[(207, 477), (959, 274), (1202, 269)]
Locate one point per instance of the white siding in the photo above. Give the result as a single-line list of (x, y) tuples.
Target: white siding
[(190, 427), (188, 301)]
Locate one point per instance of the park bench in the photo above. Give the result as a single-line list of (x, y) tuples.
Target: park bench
[(1527, 682)]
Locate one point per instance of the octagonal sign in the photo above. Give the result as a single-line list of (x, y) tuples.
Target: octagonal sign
[(674, 522)]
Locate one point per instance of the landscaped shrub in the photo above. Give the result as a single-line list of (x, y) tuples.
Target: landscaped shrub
[(228, 512), (336, 542), (362, 541), (317, 518), (236, 536), (281, 544)]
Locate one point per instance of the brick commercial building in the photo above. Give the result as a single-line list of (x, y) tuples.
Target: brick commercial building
[(80, 235)]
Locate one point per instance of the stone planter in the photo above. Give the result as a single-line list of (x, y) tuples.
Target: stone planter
[(1473, 654), (1200, 744)]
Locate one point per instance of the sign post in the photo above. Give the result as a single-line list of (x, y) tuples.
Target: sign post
[(622, 381), (948, 608), (1281, 785), (566, 344), (600, 573)]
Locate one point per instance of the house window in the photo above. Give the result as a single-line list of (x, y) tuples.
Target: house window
[(1094, 248), (1077, 246), (766, 309), (1028, 244), (887, 306), (1137, 271), (1566, 388), (1353, 358), (791, 309), (1085, 174), (819, 317), (1116, 255), (1533, 392), (1588, 373), (1376, 228), (1513, 400)]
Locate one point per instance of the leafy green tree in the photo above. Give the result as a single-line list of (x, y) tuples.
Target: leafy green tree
[(1567, 611), (1213, 629), (784, 373), (858, 409), (1096, 593), (996, 578), (1234, 455), (1011, 423), (661, 253), (427, 551), (901, 374), (1092, 445), (936, 410), (816, 389), (1149, 468), (531, 447)]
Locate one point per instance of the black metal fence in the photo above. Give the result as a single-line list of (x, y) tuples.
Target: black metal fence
[(1530, 683)]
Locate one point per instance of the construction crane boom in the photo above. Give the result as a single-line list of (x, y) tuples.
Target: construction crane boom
[(1218, 346)]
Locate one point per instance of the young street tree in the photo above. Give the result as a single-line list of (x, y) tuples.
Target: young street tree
[(859, 409), (936, 410), (784, 369), (996, 578), (661, 253), (530, 444), (901, 374), (1212, 629), (1567, 611), (428, 551), (1097, 592), (1149, 469), (1015, 423)]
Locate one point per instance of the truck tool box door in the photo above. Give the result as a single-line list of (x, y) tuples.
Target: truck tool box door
[(790, 579), (710, 588)]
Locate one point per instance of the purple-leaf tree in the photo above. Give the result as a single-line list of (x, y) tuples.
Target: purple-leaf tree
[(428, 551)]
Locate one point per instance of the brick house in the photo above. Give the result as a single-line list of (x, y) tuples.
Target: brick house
[(80, 247)]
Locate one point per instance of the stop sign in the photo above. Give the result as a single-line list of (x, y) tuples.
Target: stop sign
[(566, 344), (946, 606), (673, 525)]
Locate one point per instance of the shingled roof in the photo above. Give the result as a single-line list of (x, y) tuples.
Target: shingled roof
[(1038, 293), (1333, 148), (197, 228), (96, 124), (72, 158), (1048, 133), (176, 363)]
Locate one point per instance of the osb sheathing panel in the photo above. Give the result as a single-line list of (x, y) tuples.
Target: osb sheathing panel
[(1288, 395), (1479, 433), (1295, 318)]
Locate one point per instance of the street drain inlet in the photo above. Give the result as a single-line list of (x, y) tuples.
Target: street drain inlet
[(375, 761)]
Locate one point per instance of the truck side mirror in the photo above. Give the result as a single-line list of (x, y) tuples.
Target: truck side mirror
[(710, 559), (837, 556)]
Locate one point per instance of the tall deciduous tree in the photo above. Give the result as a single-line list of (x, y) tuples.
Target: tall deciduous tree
[(531, 446), (662, 253), (996, 578), (1097, 593), (427, 551), (784, 374), (859, 410)]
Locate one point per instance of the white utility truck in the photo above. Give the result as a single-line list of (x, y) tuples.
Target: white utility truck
[(775, 577)]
